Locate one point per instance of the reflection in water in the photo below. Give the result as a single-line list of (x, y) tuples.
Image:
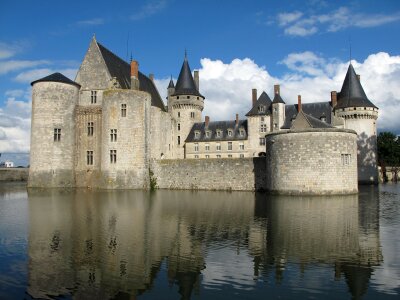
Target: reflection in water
[(105, 244)]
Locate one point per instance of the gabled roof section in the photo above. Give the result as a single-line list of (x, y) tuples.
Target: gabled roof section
[(185, 84), (305, 121), (317, 110), (352, 93), (278, 99), (213, 127), (56, 77), (263, 100), (120, 69)]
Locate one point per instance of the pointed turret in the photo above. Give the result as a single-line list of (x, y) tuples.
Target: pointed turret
[(185, 84), (278, 109), (352, 93), (171, 84)]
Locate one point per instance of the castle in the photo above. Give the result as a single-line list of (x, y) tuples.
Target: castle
[(108, 127)]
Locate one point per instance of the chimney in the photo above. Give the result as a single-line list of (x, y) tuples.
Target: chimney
[(359, 77), (254, 96), (207, 119), (299, 103), (196, 79), (134, 75), (237, 119), (151, 76), (333, 98), (277, 89)]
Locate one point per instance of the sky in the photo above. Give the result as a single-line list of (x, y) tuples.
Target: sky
[(305, 46)]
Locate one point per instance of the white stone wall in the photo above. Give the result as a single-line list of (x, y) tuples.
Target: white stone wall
[(52, 162), (254, 133), (312, 162)]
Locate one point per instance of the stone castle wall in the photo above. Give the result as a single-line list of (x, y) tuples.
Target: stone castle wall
[(312, 161), (244, 174)]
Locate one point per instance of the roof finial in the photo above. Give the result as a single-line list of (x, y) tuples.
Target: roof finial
[(185, 53)]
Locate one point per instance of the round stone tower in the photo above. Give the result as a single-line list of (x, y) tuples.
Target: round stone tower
[(360, 115), (185, 104), (53, 131)]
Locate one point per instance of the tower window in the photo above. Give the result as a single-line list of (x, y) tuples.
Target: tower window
[(262, 141), (93, 97), (89, 158), (90, 127), (57, 134), (179, 114), (123, 110), (230, 146), (263, 128), (177, 97), (188, 97), (113, 156), (346, 159), (113, 135), (179, 126), (179, 140), (192, 114)]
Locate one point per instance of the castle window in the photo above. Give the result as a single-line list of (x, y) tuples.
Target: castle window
[(242, 155), (275, 110), (196, 156), (196, 147), (179, 140), (241, 132), (241, 146), (179, 114), (123, 110), (275, 126), (208, 134), (229, 146), (197, 134), (57, 134), (90, 127), (218, 146), (262, 141), (261, 108), (262, 119), (93, 97), (207, 147), (89, 158), (323, 119), (197, 98), (207, 156), (188, 97), (263, 128), (177, 97), (179, 126), (229, 155), (219, 133), (230, 132), (113, 135), (218, 156), (346, 159), (113, 156), (192, 114)]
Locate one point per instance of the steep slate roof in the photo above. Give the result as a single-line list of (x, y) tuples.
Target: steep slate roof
[(56, 77), (316, 110), (278, 99), (265, 100), (218, 125), (352, 94), (304, 121), (120, 69), (185, 84), (171, 83)]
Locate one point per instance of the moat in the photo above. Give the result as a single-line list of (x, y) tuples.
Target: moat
[(88, 244)]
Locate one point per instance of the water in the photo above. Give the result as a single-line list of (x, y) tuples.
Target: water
[(82, 244)]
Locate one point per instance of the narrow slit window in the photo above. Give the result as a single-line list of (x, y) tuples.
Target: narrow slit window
[(57, 134), (113, 135), (90, 128), (123, 110), (93, 97), (89, 157), (113, 156)]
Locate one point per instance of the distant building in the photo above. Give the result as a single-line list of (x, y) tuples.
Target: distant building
[(7, 164)]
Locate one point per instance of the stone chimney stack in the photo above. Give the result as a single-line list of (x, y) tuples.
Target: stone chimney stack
[(277, 89), (151, 76), (254, 96), (359, 77), (237, 119), (299, 103), (333, 98), (134, 75), (207, 120), (196, 79)]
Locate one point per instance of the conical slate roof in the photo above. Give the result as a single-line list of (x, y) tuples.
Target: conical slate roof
[(278, 99), (171, 84), (185, 84), (265, 100), (56, 77), (352, 93)]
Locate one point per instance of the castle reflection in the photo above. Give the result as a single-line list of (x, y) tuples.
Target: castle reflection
[(113, 244)]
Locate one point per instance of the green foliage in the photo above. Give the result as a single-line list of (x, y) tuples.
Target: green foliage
[(388, 149), (153, 181)]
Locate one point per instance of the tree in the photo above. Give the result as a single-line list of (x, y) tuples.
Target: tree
[(389, 153)]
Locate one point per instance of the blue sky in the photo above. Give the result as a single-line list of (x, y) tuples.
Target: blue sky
[(237, 45)]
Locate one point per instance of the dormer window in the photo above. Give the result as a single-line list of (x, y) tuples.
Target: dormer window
[(230, 132), (241, 132), (261, 108), (323, 119), (208, 134), (219, 133), (197, 134), (262, 119)]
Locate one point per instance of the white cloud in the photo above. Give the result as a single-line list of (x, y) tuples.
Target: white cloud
[(151, 8), (8, 50), (299, 24), (16, 65), (34, 74)]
